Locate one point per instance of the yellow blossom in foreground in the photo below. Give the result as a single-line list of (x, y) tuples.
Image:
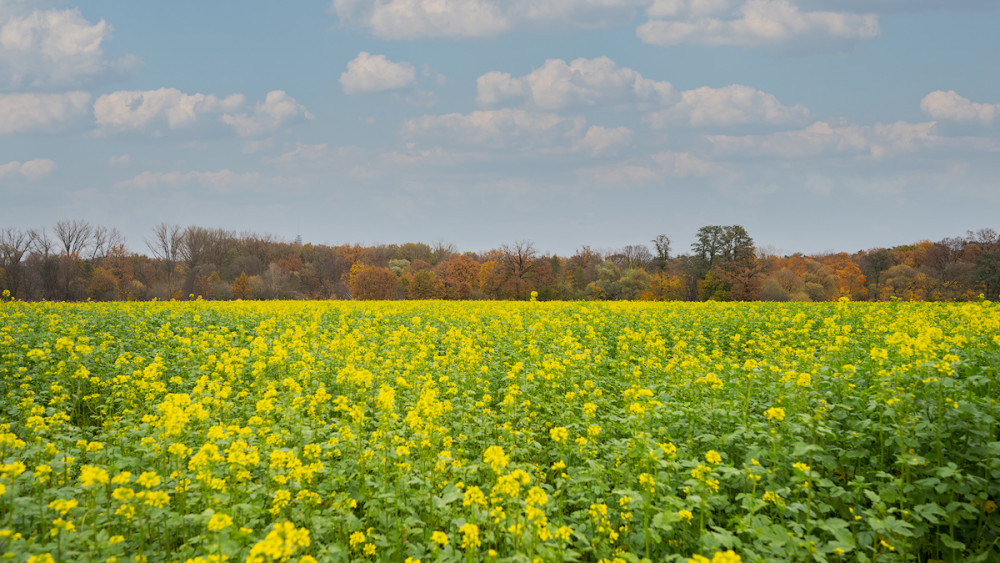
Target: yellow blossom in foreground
[(775, 413), (62, 506), (281, 542), (713, 456), (470, 536), (91, 475), (439, 538), (219, 521), (496, 458)]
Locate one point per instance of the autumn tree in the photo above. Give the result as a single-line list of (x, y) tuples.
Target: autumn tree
[(424, 284), (14, 244), (459, 275), (103, 286), (662, 245), (371, 282)]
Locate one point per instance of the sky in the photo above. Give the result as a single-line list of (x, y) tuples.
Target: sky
[(818, 125)]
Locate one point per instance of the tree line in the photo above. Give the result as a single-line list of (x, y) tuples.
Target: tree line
[(75, 261)]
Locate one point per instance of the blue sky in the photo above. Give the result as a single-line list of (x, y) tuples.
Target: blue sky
[(819, 125)]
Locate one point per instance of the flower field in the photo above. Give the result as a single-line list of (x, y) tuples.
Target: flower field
[(405, 431)]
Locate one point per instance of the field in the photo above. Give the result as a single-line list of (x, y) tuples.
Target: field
[(474, 431)]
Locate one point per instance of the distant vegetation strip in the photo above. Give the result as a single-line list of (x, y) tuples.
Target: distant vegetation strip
[(76, 261)]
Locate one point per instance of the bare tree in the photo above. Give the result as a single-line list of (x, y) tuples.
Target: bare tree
[(14, 244), (104, 239), (41, 243), (441, 251), (637, 255), (74, 236), (166, 243), (519, 257)]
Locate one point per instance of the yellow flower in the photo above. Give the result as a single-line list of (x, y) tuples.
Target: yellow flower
[(62, 506), (775, 413), (801, 467), (726, 557), (713, 457), (91, 475), (356, 539), (685, 515), (45, 557), (559, 434), (474, 496), (470, 536), (439, 538), (536, 497), (219, 521), (496, 458), (148, 479)]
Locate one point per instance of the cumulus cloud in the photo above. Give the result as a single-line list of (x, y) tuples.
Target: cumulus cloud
[(412, 19), (214, 179), (497, 128), (140, 109), (375, 73), (822, 139), (25, 112), (658, 166), (683, 164), (750, 23), (731, 105), (277, 110), (55, 48), (168, 107), (952, 107), (908, 6), (582, 82), (32, 170), (604, 140), (119, 159)]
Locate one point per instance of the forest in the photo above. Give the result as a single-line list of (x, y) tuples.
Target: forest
[(76, 261)]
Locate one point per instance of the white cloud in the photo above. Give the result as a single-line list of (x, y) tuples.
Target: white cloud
[(582, 82), (821, 139), (497, 128), (658, 166), (731, 105), (277, 110), (909, 6), (119, 160), (603, 140), (412, 19), (214, 179), (952, 107), (683, 164), (750, 23), (32, 170), (24, 112), (152, 109), (55, 48), (620, 173), (140, 109), (375, 73)]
